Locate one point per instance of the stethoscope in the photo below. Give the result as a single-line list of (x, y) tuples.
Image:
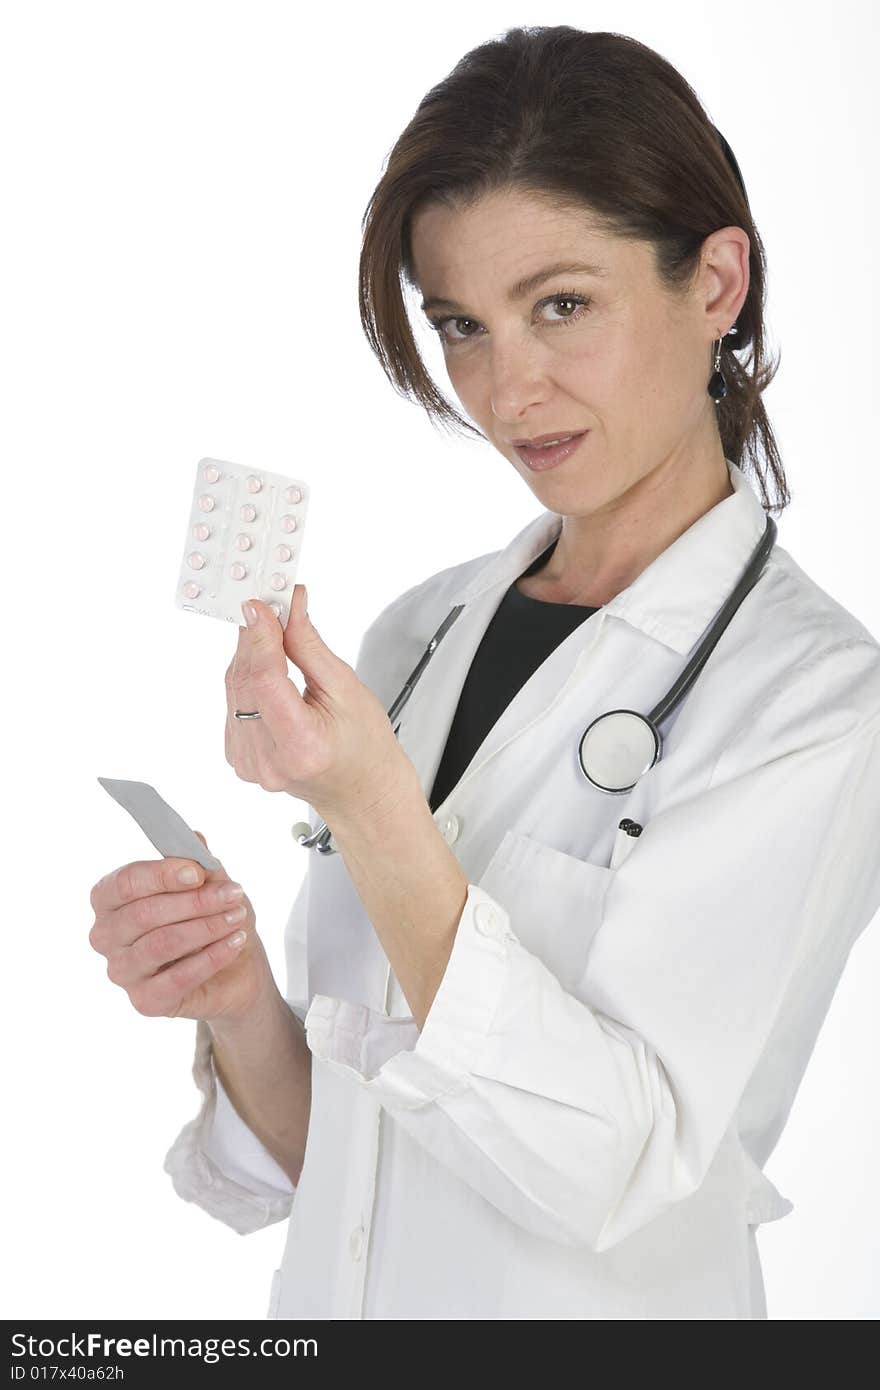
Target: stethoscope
[(618, 747)]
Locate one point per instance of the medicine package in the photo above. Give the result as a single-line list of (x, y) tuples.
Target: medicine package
[(243, 540), (163, 826)]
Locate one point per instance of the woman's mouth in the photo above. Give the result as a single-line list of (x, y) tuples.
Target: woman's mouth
[(548, 455)]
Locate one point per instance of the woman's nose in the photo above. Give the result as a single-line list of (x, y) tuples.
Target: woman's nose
[(518, 382)]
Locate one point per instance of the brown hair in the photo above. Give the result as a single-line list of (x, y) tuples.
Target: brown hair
[(591, 120)]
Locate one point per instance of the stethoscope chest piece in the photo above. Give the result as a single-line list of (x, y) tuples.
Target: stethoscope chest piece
[(617, 749)]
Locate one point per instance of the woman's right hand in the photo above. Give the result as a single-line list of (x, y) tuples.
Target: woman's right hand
[(167, 943)]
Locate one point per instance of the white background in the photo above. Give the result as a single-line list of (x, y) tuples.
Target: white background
[(183, 185)]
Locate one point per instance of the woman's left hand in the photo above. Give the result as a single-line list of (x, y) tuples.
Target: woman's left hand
[(333, 746)]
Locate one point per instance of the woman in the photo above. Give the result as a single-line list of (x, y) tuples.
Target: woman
[(539, 1041)]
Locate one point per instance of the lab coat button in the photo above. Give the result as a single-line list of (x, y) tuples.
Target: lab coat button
[(450, 828), (485, 920), (356, 1242)]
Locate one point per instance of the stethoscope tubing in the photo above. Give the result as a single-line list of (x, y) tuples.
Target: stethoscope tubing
[(749, 578), (319, 839)]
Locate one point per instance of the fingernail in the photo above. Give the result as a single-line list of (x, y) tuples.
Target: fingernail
[(229, 892), (250, 613), (188, 876), (238, 939)]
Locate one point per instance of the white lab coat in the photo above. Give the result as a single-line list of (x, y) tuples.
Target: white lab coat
[(580, 1129)]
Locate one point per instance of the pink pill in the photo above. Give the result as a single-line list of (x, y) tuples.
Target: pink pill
[(196, 561), (201, 531), (238, 570), (283, 552), (211, 473), (206, 503), (191, 590), (248, 512), (293, 495), (242, 542), (288, 523), (254, 484), (278, 581)]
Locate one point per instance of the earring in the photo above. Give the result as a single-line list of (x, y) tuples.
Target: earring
[(717, 384)]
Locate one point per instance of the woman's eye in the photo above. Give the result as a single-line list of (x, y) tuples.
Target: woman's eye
[(568, 299), (553, 301)]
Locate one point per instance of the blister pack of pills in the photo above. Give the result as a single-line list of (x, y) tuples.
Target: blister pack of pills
[(243, 540)]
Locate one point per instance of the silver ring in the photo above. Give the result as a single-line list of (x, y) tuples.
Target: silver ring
[(243, 714)]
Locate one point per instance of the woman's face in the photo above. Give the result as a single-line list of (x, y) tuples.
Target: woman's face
[(611, 352)]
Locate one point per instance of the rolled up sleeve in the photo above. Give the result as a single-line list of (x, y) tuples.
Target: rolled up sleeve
[(237, 1151), (584, 1116), (217, 1161), (223, 1173)]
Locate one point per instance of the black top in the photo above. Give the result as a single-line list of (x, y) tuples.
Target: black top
[(521, 635)]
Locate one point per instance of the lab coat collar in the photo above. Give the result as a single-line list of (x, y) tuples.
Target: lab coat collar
[(676, 596)]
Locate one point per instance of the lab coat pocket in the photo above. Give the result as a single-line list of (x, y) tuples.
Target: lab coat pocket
[(555, 901)]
